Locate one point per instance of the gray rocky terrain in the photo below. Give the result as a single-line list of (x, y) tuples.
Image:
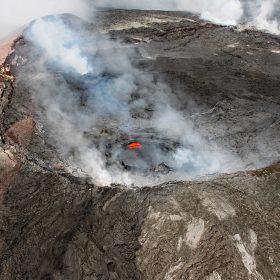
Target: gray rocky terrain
[(56, 224)]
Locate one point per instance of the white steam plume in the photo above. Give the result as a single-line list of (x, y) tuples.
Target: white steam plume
[(57, 46), (16, 13), (266, 15), (109, 80), (105, 72)]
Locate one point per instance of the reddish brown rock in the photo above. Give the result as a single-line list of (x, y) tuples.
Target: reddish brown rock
[(58, 166), (5, 48), (6, 45), (20, 133)]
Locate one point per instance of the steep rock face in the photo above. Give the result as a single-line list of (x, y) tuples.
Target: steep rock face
[(58, 226), (211, 229), (71, 230)]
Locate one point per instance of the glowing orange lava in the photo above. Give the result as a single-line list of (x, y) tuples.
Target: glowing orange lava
[(134, 145)]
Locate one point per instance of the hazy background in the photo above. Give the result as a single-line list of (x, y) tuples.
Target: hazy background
[(16, 13), (262, 14)]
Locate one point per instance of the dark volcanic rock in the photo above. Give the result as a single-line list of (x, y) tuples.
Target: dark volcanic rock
[(55, 225)]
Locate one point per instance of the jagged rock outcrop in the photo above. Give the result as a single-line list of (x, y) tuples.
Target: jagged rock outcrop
[(55, 225)]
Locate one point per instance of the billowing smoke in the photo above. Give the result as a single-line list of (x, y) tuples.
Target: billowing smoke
[(263, 14), (93, 100), (15, 14)]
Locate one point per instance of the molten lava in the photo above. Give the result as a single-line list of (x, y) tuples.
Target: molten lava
[(134, 145)]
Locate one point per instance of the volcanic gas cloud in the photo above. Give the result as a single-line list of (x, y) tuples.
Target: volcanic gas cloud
[(99, 109)]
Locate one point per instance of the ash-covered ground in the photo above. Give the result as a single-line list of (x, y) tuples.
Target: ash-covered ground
[(187, 102)]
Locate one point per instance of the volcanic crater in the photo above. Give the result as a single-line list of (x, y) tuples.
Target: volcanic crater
[(57, 222)]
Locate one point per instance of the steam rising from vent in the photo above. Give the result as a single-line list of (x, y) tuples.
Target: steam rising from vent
[(61, 47), (261, 14), (95, 104), (266, 15)]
